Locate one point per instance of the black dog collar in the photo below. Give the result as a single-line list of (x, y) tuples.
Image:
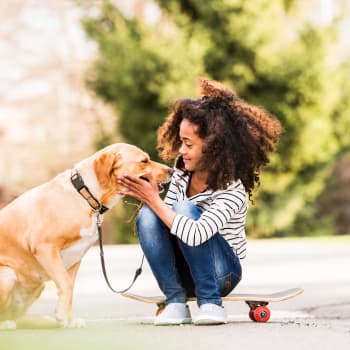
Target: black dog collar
[(84, 191)]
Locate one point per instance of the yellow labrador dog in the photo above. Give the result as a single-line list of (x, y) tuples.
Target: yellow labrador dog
[(46, 231)]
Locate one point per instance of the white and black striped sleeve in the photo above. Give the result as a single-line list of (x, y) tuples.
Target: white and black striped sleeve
[(195, 232), (172, 195)]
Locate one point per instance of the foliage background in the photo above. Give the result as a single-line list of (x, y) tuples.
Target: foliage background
[(272, 56)]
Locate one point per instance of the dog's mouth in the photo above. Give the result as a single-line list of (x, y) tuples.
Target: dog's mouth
[(160, 188), (160, 184)]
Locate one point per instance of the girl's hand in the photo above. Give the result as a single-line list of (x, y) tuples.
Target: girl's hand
[(144, 190)]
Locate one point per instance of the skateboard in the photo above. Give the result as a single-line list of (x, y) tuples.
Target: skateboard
[(258, 310)]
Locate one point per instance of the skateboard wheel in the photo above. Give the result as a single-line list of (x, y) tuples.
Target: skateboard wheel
[(260, 314)]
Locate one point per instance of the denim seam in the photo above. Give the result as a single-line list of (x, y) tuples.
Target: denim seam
[(175, 278)]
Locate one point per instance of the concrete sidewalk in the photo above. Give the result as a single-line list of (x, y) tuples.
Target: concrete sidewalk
[(319, 318)]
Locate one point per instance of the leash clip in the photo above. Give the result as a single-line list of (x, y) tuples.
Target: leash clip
[(99, 219)]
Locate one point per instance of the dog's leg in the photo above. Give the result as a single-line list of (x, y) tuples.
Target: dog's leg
[(74, 270), (7, 282), (76, 322), (51, 261)]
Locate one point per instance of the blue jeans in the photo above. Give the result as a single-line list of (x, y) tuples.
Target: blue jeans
[(208, 271)]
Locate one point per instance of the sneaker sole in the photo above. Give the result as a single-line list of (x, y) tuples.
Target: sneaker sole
[(173, 322), (208, 321)]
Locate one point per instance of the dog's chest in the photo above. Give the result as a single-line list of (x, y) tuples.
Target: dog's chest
[(75, 252)]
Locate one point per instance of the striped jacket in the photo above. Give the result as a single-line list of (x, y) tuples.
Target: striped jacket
[(224, 211)]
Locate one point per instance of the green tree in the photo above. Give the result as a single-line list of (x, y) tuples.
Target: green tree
[(140, 70), (261, 50)]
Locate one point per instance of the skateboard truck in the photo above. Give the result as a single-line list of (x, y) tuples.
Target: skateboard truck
[(259, 312)]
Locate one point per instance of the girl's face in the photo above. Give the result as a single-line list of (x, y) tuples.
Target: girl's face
[(191, 145)]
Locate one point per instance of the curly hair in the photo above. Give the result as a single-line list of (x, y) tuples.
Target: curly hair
[(237, 136)]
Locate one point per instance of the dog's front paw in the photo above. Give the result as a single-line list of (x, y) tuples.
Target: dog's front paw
[(74, 323), (8, 325)]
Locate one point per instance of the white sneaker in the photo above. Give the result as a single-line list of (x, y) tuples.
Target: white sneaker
[(174, 314), (210, 314)]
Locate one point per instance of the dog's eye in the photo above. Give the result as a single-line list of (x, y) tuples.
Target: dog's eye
[(144, 161)]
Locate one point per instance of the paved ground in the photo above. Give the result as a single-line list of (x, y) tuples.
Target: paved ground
[(319, 318)]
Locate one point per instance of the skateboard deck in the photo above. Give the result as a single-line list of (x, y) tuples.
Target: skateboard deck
[(259, 312)]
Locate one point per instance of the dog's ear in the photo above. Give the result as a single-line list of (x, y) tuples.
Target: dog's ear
[(104, 166)]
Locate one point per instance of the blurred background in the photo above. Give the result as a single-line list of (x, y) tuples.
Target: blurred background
[(78, 75)]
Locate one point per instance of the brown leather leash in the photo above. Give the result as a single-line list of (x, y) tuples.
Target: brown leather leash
[(99, 209), (137, 272)]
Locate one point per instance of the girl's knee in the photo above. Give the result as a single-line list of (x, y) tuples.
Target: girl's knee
[(188, 209), (146, 218), (144, 215)]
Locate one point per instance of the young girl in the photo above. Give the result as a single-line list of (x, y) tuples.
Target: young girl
[(195, 238)]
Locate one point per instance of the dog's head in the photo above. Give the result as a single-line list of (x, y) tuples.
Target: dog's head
[(124, 159)]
